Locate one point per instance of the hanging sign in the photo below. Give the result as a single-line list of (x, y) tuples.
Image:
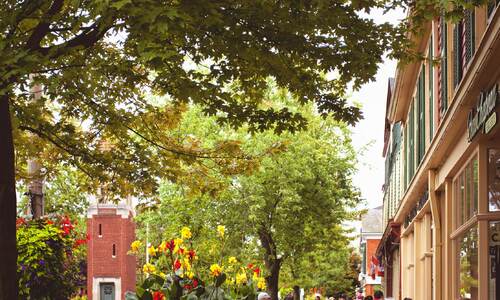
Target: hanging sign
[(482, 113)]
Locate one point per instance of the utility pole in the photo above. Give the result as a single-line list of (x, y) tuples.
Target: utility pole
[(35, 186)]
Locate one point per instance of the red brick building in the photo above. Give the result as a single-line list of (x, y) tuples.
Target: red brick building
[(371, 233), (110, 272)]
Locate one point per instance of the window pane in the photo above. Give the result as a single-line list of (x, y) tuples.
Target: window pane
[(475, 190), (462, 198), (494, 179), (468, 265), (467, 191), (494, 267)]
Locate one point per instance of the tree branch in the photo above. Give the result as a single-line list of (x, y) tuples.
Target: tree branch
[(42, 29)]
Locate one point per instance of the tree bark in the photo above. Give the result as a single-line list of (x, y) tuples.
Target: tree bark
[(272, 262), (8, 250), (274, 266), (296, 292)]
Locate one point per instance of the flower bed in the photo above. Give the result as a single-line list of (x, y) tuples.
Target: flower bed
[(174, 273)]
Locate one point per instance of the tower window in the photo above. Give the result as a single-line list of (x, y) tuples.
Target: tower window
[(100, 230), (114, 250)]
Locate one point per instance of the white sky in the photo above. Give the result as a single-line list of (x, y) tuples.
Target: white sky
[(370, 130)]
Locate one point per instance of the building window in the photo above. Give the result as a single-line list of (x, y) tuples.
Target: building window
[(494, 267), (494, 179), (466, 192), (468, 265), (100, 230), (114, 250)]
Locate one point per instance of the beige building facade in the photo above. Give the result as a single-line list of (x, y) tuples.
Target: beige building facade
[(442, 190)]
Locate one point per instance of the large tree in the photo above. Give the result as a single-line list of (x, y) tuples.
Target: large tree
[(287, 213), (96, 59), (297, 201)]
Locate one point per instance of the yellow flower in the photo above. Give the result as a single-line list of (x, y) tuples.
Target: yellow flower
[(190, 274), (232, 260), (163, 275), (215, 270), (261, 283), (186, 264), (149, 268), (255, 277), (162, 247), (134, 247), (221, 230), (186, 233), (241, 278), (178, 243), (152, 251)]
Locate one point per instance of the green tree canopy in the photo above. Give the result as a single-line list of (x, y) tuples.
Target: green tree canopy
[(291, 207)]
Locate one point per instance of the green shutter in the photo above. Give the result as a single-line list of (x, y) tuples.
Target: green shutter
[(406, 149), (431, 91), (411, 145), (421, 116), (469, 33), (444, 67), (457, 54)]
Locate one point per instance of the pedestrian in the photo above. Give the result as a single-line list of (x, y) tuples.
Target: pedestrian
[(406, 298), (263, 296), (368, 298), (378, 295)]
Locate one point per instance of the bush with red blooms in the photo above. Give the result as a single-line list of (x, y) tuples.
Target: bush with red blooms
[(51, 261)]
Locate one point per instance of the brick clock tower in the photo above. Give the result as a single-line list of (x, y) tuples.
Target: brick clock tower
[(110, 271)]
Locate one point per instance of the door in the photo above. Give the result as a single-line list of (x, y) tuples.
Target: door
[(107, 291)]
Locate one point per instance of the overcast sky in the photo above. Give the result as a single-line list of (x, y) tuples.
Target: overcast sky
[(370, 130)]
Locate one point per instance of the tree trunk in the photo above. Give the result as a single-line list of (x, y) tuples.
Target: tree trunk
[(296, 292), (8, 250), (272, 280), (273, 264)]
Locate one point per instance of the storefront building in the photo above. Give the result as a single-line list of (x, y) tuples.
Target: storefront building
[(442, 190)]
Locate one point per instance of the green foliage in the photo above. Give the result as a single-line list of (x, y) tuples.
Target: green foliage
[(297, 197), (51, 261), (97, 60)]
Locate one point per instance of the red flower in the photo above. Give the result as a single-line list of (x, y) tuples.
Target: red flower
[(250, 266), (50, 222), (177, 265), (171, 245), (188, 287), (158, 296), (195, 283), (66, 225), (257, 271), (88, 237), (79, 242), (181, 250), (191, 254), (20, 221)]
